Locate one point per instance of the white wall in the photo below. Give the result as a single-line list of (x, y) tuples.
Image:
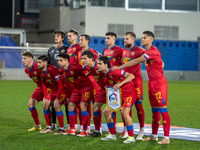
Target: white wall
[(97, 20)]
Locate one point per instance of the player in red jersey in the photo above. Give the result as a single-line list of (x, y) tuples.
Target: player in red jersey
[(84, 40), (74, 47), (157, 86), (100, 99), (32, 71), (82, 92), (131, 52), (114, 53), (51, 79), (119, 79)]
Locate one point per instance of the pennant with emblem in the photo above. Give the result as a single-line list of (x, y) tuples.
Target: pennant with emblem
[(113, 99)]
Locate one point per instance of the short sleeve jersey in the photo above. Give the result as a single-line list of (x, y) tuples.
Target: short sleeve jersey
[(98, 75), (129, 55), (73, 53), (114, 54), (53, 53), (116, 76), (80, 60), (34, 74), (75, 75), (153, 63), (50, 77)]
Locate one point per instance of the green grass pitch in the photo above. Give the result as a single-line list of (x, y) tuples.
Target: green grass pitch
[(15, 119)]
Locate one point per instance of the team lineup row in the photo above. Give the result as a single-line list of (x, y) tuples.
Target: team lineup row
[(78, 75)]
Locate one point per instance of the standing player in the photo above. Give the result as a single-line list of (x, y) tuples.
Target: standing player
[(82, 92), (32, 71), (74, 48), (52, 84), (114, 53), (119, 79), (53, 60), (131, 52), (157, 86)]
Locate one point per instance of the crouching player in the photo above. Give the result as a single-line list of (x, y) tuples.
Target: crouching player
[(34, 73), (100, 98), (82, 92), (119, 78), (52, 84)]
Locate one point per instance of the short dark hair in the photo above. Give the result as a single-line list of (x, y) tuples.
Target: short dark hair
[(62, 33), (132, 34), (105, 60), (27, 54), (43, 58), (73, 31), (64, 56), (149, 33), (87, 37), (111, 34), (89, 54)]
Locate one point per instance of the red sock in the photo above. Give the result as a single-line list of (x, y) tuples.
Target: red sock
[(111, 128), (166, 121), (130, 130), (47, 116), (85, 117), (34, 114), (76, 115), (90, 113), (60, 119), (100, 117), (155, 119), (114, 117), (140, 113), (97, 119), (72, 116)]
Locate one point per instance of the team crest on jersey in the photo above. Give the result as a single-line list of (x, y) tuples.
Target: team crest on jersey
[(48, 75), (97, 72), (35, 72), (132, 53), (71, 72), (111, 52), (62, 50), (111, 77), (74, 49)]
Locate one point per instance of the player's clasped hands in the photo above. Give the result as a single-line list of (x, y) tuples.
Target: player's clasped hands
[(116, 86)]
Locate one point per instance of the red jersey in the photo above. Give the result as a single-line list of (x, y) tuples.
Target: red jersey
[(73, 53), (128, 55), (34, 74), (116, 76), (114, 54), (80, 60), (75, 75), (52, 79), (153, 63), (98, 75)]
